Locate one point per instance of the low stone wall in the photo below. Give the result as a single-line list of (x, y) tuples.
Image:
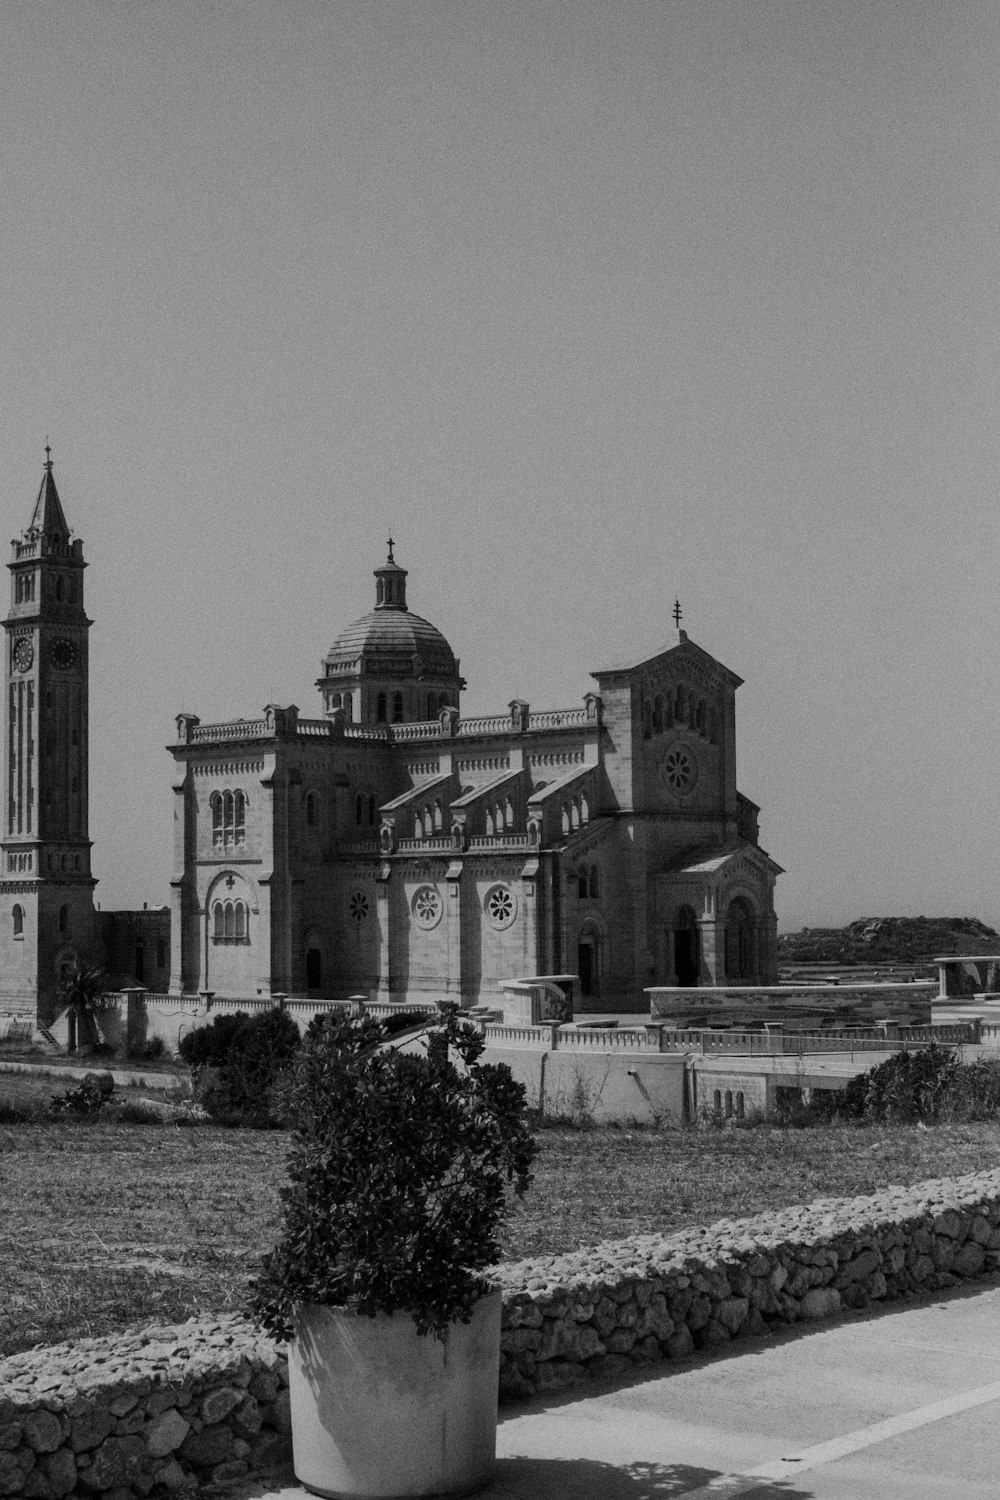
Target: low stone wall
[(171, 1410), (165, 1411), (597, 1312)]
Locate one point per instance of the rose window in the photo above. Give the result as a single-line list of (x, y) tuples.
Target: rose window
[(426, 907), (358, 907), (679, 770), (501, 908)]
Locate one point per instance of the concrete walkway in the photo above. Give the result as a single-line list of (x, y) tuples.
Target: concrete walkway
[(902, 1404)]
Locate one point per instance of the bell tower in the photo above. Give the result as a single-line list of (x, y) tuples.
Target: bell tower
[(46, 888)]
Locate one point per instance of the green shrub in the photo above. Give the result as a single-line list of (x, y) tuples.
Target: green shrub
[(398, 1175), (241, 1061), (85, 1101), (210, 1046)]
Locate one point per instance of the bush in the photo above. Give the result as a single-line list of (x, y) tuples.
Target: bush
[(210, 1046), (398, 1175), (85, 1101), (241, 1061)]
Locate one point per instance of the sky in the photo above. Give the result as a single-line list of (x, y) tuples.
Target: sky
[(592, 304)]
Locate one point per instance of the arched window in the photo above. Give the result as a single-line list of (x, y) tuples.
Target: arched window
[(397, 708), (679, 701), (227, 817), (239, 818), (241, 922), (584, 809), (565, 819), (347, 704), (18, 916), (701, 717), (380, 708), (489, 823), (230, 922), (359, 809), (575, 813), (371, 811), (595, 883), (63, 918), (509, 814), (311, 809), (380, 592), (581, 883), (657, 715), (438, 818)]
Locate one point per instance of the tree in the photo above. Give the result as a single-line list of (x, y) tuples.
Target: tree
[(83, 987)]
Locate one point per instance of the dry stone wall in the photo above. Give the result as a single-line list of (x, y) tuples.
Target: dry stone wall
[(172, 1410), (163, 1412), (570, 1318)]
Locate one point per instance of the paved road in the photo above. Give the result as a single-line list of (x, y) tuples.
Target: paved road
[(905, 1404)]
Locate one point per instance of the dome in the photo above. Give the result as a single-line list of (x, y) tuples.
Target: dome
[(393, 632)]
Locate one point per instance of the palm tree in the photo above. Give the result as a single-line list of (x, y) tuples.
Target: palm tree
[(82, 987)]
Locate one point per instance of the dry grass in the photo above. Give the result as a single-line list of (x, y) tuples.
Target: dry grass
[(104, 1226)]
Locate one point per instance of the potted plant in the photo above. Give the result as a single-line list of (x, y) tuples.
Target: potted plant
[(399, 1170)]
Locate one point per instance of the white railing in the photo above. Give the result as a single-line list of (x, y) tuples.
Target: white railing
[(428, 729), (558, 718), (494, 724), (418, 844), (366, 731), (501, 841), (238, 729), (320, 727)]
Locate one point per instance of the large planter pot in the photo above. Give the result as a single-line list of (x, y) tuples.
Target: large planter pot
[(379, 1410)]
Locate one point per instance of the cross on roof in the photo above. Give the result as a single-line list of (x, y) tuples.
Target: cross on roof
[(678, 616)]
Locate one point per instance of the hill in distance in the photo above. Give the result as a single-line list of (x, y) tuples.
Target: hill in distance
[(896, 940)]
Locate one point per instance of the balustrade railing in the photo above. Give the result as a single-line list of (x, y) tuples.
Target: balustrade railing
[(238, 729)]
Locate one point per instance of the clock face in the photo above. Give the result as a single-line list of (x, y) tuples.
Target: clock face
[(24, 654), (63, 653)]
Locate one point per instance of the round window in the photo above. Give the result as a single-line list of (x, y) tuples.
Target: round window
[(679, 770), (426, 907), (500, 905), (358, 907)]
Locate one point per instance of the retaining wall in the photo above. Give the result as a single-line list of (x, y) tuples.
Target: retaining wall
[(172, 1410)]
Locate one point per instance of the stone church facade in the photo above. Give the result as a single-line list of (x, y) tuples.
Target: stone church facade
[(392, 848)]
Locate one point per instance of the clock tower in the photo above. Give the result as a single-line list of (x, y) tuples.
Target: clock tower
[(47, 919)]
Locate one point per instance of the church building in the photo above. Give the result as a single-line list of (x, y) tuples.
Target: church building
[(392, 848)]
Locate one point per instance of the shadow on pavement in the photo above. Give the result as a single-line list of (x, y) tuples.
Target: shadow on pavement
[(586, 1479)]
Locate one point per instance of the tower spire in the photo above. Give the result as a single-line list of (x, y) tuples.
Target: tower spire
[(47, 518)]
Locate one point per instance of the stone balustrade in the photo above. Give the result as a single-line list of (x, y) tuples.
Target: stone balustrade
[(205, 1403)]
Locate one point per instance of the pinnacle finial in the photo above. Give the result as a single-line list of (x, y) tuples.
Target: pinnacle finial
[(391, 545), (48, 454), (678, 613)]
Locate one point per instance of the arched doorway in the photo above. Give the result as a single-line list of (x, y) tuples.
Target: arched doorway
[(687, 947), (741, 946), (589, 954)]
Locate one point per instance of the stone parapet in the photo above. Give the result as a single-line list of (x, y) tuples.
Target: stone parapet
[(205, 1403)]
